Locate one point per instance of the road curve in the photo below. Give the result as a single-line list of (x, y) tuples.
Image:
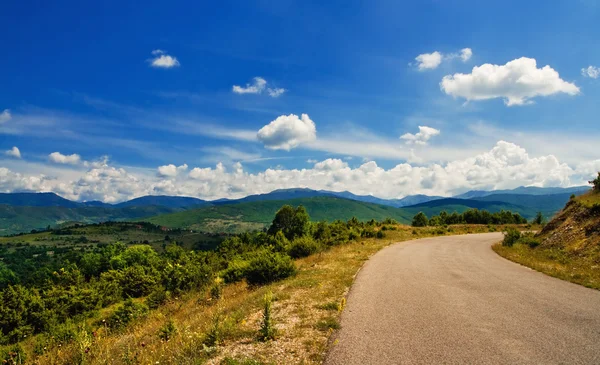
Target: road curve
[(452, 300)]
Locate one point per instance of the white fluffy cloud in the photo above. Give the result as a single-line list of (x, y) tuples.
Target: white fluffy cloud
[(13, 152), (58, 157), (431, 61), (163, 60), (505, 166), (171, 170), (466, 54), (258, 86), (517, 82), (591, 71), (287, 132), (421, 138), (5, 116)]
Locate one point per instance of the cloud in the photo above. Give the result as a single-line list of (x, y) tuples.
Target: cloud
[(276, 92), (591, 71), (465, 54), (171, 170), (516, 82), (13, 152), (5, 116), (287, 132), (58, 157), (163, 60), (258, 86), (506, 165), (429, 61), (421, 138)]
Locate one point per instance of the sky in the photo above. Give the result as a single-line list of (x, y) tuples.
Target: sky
[(114, 100)]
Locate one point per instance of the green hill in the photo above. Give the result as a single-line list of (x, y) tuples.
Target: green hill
[(17, 219), (258, 214), (450, 205)]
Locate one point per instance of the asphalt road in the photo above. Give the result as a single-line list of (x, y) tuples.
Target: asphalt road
[(452, 300)]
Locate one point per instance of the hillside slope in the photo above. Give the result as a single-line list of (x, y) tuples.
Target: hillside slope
[(547, 204), (450, 205), (256, 215), (568, 247)]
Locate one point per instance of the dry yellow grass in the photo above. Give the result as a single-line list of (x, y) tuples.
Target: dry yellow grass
[(306, 311)]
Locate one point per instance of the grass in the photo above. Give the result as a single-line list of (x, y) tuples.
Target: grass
[(555, 262), (305, 311)]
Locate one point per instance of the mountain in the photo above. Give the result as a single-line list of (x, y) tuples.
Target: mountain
[(163, 201), (416, 199), (258, 214), (280, 194), (36, 200), (547, 204), (17, 219), (450, 205), (524, 190)]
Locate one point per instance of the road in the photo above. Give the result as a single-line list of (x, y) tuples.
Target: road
[(452, 300)]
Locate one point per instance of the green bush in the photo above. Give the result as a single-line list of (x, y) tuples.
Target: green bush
[(236, 270), (157, 298), (380, 234), (167, 331), (268, 267), (303, 246), (511, 236), (126, 313), (529, 239), (420, 220)]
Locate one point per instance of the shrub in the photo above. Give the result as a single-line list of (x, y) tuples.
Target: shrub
[(236, 270), (596, 183), (380, 234), (268, 267), (213, 336), (167, 331), (267, 330), (126, 313), (420, 220), (529, 240), (511, 236), (303, 246), (216, 291), (368, 232), (13, 355), (157, 298)]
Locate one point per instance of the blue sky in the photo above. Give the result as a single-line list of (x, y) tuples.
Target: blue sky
[(96, 98)]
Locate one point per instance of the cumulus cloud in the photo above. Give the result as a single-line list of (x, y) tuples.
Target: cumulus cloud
[(517, 82), (13, 152), (422, 137), (5, 116), (171, 170), (465, 54), (287, 132), (504, 166), (58, 157), (258, 86), (591, 71), (163, 60), (431, 61)]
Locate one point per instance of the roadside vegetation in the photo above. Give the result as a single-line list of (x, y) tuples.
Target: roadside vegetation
[(568, 247), (259, 297), (470, 216)]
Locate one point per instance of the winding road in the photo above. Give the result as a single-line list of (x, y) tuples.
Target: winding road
[(452, 300)]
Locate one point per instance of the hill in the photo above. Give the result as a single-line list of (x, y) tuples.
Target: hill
[(17, 219), (163, 201), (549, 204), (568, 247), (36, 200), (258, 214), (450, 205), (525, 190)]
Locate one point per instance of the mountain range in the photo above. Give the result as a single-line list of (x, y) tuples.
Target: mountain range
[(22, 212)]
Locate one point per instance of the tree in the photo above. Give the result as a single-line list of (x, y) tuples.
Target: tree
[(292, 222), (596, 183), (539, 218), (420, 220)]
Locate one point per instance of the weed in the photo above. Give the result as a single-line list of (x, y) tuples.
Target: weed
[(329, 323), (267, 330), (511, 236), (167, 331)]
